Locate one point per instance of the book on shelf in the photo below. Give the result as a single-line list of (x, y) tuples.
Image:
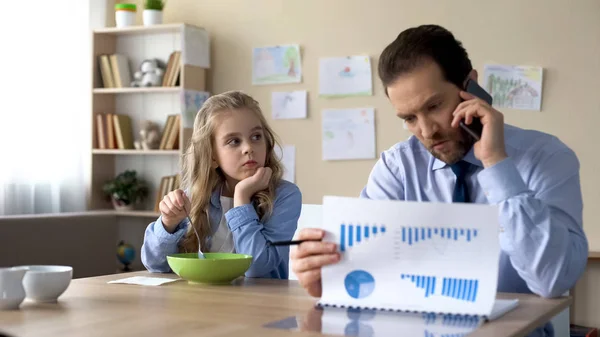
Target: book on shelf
[(170, 134), (114, 131), (173, 71), (106, 72), (123, 131), (101, 132), (167, 184), (115, 71)]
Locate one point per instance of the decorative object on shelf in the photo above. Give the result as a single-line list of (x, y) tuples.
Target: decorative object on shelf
[(192, 102), (153, 14), (125, 15), (150, 137), (125, 254), (150, 74), (126, 190)]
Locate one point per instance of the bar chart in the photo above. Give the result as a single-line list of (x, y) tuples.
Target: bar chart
[(426, 283), (413, 235), (460, 289), (353, 234)]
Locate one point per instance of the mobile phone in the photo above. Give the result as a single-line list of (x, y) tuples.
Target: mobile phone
[(475, 128)]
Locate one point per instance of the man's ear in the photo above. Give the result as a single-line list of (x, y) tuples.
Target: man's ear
[(473, 75)]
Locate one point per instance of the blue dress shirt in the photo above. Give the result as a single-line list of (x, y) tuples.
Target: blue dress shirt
[(537, 189)]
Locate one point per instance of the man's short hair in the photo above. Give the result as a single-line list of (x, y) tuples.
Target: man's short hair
[(416, 45)]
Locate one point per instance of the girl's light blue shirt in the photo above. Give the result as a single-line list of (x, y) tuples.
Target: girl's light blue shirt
[(250, 235)]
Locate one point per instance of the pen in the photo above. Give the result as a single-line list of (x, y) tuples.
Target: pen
[(288, 243)]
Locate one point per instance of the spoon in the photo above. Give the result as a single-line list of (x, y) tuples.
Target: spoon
[(200, 255)]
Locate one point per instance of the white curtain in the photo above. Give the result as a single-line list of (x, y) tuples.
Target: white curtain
[(45, 100)]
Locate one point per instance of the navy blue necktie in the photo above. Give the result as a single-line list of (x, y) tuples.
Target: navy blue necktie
[(460, 169)]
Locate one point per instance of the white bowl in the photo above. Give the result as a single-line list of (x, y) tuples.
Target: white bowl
[(12, 293), (46, 283)]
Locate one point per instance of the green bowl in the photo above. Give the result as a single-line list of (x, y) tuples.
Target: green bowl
[(217, 268)]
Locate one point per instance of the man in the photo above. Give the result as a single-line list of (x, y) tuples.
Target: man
[(533, 177)]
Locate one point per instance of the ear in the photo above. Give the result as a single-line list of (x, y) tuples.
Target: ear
[(473, 75), (214, 164)]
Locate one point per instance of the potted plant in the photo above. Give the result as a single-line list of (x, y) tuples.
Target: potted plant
[(126, 190), (153, 12), (125, 15)]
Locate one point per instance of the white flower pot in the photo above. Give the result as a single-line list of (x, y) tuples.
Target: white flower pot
[(125, 15), (124, 18), (152, 17), (121, 207)]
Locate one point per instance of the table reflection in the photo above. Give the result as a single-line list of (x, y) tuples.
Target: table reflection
[(375, 323)]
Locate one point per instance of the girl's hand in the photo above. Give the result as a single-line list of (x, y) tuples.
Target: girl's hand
[(245, 189), (173, 209)]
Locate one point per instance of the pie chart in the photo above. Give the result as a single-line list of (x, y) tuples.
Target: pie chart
[(359, 284)]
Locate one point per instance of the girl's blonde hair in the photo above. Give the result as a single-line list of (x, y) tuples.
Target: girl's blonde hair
[(200, 178)]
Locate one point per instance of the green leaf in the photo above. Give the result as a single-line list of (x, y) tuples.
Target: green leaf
[(126, 187), (155, 4)]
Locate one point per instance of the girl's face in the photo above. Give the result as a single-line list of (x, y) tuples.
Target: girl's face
[(240, 146)]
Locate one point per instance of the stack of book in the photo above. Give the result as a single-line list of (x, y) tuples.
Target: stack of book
[(113, 131), (115, 71), (173, 71), (170, 135)]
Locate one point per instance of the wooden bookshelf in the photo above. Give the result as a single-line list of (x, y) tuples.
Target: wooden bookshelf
[(140, 104), (142, 30)]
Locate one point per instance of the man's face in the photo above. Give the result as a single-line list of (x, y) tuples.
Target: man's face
[(426, 101)]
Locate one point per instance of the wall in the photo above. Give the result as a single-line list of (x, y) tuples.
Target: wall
[(565, 40), (561, 36), (586, 305)]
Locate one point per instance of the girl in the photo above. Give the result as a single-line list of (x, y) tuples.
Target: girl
[(238, 198)]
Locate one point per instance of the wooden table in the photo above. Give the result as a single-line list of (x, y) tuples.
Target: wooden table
[(91, 307), (593, 255)]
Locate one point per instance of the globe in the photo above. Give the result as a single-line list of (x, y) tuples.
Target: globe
[(125, 254)]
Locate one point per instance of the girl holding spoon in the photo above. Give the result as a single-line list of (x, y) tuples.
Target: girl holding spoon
[(235, 198)]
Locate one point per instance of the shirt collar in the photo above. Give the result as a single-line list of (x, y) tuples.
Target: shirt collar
[(469, 158), (215, 198)]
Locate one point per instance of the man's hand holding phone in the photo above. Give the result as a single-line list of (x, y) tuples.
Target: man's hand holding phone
[(490, 148)]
